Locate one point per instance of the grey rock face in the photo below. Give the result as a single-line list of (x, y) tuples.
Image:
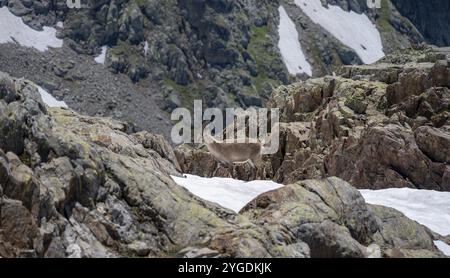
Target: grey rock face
[(333, 219), (430, 17), (87, 87), (82, 187)]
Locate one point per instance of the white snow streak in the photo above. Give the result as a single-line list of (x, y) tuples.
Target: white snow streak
[(13, 30), (352, 29), (49, 100), (429, 208), (290, 47), (146, 48), (444, 247), (102, 57), (229, 193)]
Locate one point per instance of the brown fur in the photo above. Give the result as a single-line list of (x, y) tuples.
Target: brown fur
[(232, 152)]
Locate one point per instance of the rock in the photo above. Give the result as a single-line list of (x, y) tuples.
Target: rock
[(136, 25), (416, 80), (387, 73), (194, 161), (19, 231), (431, 104), (139, 248), (332, 218), (173, 101), (384, 157), (191, 253), (373, 251), (357, 104), (5, 171), (22, 184), (402, 237), (158, 144), (330, 240), (427, 19), (434, 143), (18, 8), (56, 249), (73, 251)]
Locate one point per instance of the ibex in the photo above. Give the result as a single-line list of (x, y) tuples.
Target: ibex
[(229, 152)]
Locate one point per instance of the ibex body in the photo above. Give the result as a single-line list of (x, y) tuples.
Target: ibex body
[(230, 152)]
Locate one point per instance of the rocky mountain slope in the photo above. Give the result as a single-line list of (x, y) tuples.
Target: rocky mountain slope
[(223, 52), (430, 17), (78, 186), (376, 126)]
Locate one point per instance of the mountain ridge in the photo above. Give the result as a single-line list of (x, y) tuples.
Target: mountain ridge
[(223, 52)]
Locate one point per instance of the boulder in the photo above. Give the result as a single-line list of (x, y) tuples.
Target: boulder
[(434, 143), (331, 217)]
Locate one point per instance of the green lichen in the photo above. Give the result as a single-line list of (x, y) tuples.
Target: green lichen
[(25, 158), (384, 15), (264, 58)]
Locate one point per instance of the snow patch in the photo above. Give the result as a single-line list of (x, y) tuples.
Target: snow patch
[(289, 45), (352, 29), (444, 247), (102, 57), (429, 208), (146, 48), (60, 24), (49, 100), (229, 193), (13, 30)]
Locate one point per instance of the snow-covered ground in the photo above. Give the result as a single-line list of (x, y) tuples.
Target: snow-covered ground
[(49, 100), (353, 30), (429, 208), (290, 47), (12, 29), (445, 248), (229, 193), (146, 48), (102, 57)]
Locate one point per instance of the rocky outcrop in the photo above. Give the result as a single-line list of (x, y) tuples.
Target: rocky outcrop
[(83, 187), (334, 221), (78, 186), (377, 126)]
